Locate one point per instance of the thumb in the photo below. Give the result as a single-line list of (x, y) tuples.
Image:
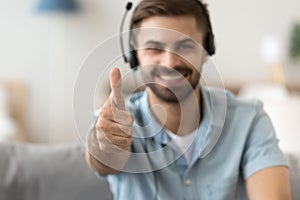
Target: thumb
[(116, 95)]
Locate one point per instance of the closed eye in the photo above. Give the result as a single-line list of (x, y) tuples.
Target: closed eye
[(154, 46), (153, 49), (185, 46)]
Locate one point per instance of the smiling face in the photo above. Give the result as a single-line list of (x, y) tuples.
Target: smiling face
[(170, 54)]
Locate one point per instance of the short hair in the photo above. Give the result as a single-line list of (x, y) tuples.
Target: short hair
[(150, 8)]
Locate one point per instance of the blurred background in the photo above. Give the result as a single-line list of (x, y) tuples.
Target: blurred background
[(44, 42)]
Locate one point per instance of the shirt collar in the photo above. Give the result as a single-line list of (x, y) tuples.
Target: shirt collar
[(209, 131)]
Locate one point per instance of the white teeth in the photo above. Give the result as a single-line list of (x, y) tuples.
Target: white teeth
[(171, 78)]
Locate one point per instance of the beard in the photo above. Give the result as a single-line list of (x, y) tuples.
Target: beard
[(172, 94)]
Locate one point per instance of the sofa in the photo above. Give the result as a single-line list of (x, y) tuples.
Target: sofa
[(59, 172), (48, 172)]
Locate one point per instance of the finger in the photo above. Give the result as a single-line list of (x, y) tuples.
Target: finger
[(110, 128), (116, 88), (120, 141), (116, 115), (112, 149), (111, 141)]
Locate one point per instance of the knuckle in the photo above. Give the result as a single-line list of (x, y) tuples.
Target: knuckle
[(103, 125), (129, 141), (127, 131), (126, 142), (104, 113), (123, 142), (131, 119), (130, 131), (100, 123)]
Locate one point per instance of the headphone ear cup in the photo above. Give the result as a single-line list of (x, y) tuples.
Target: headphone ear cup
[(210, 44), (132, 58)]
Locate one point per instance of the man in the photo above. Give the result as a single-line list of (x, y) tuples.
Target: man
[(178, 140)]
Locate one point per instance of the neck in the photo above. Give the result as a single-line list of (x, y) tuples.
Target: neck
[(180, 118)]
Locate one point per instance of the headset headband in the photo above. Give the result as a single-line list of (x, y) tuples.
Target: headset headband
[(209, 44)]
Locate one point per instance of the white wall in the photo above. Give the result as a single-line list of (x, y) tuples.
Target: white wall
[(46, 51), (240, 27)]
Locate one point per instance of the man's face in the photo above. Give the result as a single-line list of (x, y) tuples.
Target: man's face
[(170, 54)]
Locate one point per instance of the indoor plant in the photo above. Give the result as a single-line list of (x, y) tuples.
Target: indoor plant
[(295, 43)]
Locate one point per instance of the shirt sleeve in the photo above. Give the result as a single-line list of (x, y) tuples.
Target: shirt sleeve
[(261, 150)]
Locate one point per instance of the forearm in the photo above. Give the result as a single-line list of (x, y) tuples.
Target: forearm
[(93, 156), (97, 166), (270, 183)]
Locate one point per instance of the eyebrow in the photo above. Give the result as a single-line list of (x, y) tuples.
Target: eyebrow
[(184, 41), (162, 45), (155, 43)]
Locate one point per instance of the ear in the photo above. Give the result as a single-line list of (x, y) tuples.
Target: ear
[(204, 58)]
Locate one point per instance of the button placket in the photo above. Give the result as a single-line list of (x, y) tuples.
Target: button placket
[(188, 182)]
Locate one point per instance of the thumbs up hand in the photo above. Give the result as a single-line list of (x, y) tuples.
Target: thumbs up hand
[(114, 125)]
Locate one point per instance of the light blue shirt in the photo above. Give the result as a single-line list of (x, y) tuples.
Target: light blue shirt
[(234, 140)]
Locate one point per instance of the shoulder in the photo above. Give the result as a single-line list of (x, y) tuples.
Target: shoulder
[(232, 100), (233, 103), (233, 114)]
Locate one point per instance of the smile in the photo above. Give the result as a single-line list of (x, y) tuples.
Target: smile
[(172, 79)]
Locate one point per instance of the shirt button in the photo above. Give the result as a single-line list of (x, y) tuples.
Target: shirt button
[(188, 182)]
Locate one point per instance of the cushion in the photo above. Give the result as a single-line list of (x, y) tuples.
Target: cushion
[(48, 172)]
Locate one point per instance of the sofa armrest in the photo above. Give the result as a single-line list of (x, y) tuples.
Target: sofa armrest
[(294, 163)]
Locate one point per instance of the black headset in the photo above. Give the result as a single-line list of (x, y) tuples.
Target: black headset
[(209, 42)]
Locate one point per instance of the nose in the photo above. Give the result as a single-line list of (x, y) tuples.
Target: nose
[(169, 59)]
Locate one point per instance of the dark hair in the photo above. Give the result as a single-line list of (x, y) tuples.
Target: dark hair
[(150, 8)]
